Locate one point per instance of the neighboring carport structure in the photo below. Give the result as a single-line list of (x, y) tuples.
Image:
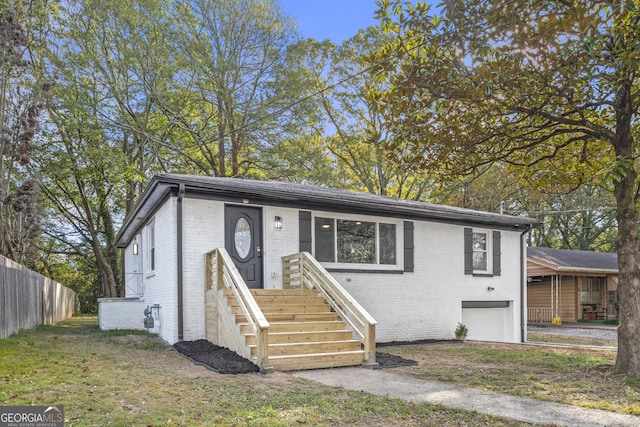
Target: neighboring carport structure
[(571, 285)]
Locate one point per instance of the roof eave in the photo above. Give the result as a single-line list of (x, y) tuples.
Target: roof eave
[(155, 191), (160, 185)]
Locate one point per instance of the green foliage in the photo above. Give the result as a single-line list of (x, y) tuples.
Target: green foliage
[(550, 88), (76, 273), (507, 81), (345, 97), (22, 96), (461, 331)]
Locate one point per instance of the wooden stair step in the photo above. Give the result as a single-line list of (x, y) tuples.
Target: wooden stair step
[(273, 292), (316, 361), (292, 317), (284, 349), (289, 308), (281, 300), (325, 325), (305, 336)]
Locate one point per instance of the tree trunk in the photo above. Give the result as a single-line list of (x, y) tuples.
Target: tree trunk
[(109, 280), (628, 358), (221, 137)]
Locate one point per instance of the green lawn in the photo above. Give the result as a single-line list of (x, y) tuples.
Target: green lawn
[(132, 378), (577, 376)]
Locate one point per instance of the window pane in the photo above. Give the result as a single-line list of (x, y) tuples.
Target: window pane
[(480, 251), (324, 239), (242, 238), (152, 246), (595, 291), (387, 243), (480, 261), (479, 241), (590, 289), (356, 242), (585, 293)]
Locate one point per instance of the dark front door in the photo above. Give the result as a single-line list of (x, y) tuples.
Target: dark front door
[(243, 241)]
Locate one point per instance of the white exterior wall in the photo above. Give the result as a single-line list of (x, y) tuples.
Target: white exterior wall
[(121, 313), (160, 286), (203, 231), (425, 304), (279, 243), (134, 276)]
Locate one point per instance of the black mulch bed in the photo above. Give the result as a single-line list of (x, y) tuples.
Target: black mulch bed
[(386, 361), (216, 358), (225, 361)]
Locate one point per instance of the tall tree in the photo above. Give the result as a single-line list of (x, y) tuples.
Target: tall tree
[(125, 50), (22, 95), (83, 172), (352, 129), (231, 50), (548, 86)]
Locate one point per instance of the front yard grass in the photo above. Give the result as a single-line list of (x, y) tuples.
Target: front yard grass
[(568, 339), (576, 376), (132, 378)]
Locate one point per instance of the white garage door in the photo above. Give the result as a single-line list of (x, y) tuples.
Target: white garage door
[(488, 320)]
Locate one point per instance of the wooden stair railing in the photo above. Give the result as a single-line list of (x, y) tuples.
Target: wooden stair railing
[(303, 271), (221, 274)]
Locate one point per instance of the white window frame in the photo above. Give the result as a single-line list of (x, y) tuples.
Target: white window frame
[(399, 226), (488, 251), (151, 255)]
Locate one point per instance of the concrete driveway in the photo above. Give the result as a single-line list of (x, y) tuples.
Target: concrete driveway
[(384, 383)]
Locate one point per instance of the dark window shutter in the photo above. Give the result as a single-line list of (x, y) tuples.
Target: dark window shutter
[(304, 218), (496, 253), (408, 246), (468, 251)]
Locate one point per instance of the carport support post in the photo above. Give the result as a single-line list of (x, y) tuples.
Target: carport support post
[(523, 284)]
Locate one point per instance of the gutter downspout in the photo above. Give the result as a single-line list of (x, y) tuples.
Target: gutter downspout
[(523, 281), (181, 192)]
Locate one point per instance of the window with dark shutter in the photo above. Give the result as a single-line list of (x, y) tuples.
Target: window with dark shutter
[(482, 252)]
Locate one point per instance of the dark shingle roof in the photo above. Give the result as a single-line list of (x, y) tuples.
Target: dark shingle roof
[(302, 196), (570, 260)]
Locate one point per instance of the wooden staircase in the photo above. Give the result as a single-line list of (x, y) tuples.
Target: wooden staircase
[(304, 332)]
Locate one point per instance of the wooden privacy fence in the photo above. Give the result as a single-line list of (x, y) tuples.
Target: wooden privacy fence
[(28, 299)]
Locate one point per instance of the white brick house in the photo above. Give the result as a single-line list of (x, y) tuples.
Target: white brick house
[(417, 268)]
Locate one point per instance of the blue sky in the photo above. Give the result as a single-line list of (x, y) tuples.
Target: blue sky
[(333, 19)]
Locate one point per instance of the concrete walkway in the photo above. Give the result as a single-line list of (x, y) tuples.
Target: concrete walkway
[(384, 383)]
